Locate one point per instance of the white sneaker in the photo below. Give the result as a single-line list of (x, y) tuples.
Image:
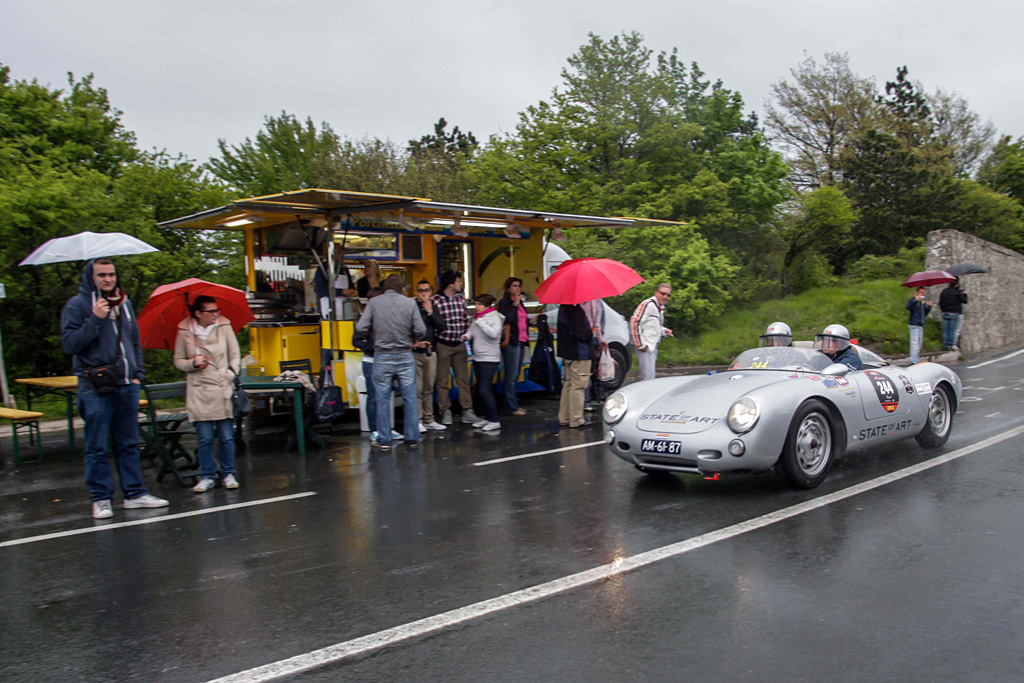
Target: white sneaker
[(396, 435), (469, 417), (146, 500), (436, 427), (480, 423), (446, 419), (101, 509), (491, 426), (423, 428), (229, 481), (204, 485)]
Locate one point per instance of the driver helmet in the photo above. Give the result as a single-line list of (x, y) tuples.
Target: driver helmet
[(777, 334), (833, 339)]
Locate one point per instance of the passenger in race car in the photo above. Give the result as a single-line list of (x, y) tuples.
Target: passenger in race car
[(834, 342), (777, 334)]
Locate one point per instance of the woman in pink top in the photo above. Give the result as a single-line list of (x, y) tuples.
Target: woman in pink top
[(511, 307)]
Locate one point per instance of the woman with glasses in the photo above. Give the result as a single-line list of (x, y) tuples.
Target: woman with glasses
[(206, 350)]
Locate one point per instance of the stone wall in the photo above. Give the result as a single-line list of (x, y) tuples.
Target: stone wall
[(994, 314)]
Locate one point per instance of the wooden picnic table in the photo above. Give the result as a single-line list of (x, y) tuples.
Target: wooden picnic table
[(67, 386)]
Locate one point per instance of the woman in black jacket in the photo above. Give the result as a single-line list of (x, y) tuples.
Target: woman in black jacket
[(518, 340)]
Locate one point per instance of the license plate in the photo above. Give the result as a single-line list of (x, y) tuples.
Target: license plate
[(661, 446)]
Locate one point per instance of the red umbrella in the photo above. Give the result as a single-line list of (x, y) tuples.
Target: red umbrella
[(927, 278), (168, 306), (584, 279)]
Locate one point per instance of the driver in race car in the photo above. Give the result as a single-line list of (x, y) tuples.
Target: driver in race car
[(777, 334), (834, 342)]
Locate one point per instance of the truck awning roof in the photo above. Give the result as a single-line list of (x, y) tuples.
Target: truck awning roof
[(322, 207)]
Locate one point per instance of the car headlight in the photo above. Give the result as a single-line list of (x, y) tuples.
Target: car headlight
[(743, 415), (615, 407)]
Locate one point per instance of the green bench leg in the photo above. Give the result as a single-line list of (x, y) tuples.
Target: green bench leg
[(32, 427)]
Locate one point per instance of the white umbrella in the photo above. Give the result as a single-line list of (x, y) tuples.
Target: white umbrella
[(85, 246)]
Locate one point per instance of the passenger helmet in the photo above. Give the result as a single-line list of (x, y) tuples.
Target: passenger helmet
[(777, 334), (833, 339)]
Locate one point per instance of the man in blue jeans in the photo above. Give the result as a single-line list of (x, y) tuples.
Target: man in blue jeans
[(98, 328), (918, 311), (951, 303), (395, 322)]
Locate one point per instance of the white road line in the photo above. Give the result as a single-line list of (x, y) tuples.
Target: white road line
[(995, 414), (995, 360), (483, 463), (154, 520), (375, 641)]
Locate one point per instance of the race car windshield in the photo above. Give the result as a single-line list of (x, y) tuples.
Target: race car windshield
[(781, 358)]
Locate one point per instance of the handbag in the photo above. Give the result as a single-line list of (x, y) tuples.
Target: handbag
[(240, 403), (327, 404), (103, 379), (605, 367)]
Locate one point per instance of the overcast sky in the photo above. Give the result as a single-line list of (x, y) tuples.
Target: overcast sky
[(187, 73)]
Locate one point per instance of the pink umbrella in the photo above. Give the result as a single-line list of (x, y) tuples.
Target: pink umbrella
[(584, 279), (927, 278), (168, 306)]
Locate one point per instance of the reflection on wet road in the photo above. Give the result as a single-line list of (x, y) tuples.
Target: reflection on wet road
[(565, 564)]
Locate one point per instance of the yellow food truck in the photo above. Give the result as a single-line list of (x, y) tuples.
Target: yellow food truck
[(288, 237)]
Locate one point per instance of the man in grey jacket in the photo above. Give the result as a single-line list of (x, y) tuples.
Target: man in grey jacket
[(394, 321)]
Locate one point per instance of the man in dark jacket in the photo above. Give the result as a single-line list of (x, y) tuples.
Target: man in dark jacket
[(426, 360), (951, 303), (919, 309), (576, 352), (98, 328)]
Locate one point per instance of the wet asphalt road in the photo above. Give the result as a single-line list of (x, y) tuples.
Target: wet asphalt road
[(920, 579)]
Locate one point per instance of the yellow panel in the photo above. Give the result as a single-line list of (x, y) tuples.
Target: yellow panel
[(343, 331), (301, 342)]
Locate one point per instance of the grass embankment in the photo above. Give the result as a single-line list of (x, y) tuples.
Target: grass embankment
[(874, 312)]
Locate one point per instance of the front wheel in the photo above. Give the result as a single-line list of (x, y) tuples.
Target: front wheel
[(810, 447), (938, 422)]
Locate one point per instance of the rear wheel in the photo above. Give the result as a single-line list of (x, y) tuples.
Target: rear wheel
[(938, 422), (810, 447)]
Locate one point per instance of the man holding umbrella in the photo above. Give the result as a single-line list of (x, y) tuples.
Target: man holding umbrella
[(951, 303), (99, 329)]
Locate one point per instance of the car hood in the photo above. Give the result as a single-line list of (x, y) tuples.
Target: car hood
[(703, 402)]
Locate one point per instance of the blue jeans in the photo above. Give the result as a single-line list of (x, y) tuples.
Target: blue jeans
[(916, 339), (111, 415), (225, 431), (371, 397), (386, 367), (949, 324), (485, 372), (512, 357)]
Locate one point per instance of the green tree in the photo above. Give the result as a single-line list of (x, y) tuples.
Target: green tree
[(820, 223), (286, 155), (1003, 169), (816, 117), (67, 165), (899, 176), (961, 131), (637, 134)]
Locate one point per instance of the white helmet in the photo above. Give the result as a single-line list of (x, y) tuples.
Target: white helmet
[(833, 339), (777, 334)]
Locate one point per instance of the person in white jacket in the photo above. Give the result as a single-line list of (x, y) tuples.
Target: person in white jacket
[(485, 335), (647, 328)]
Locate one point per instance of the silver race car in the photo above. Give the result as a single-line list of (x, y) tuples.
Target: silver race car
[(788, 408)]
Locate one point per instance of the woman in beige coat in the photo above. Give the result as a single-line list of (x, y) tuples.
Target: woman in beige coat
[(206, 350)]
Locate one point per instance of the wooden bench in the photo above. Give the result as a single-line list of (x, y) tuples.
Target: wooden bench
[(27, 420)]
